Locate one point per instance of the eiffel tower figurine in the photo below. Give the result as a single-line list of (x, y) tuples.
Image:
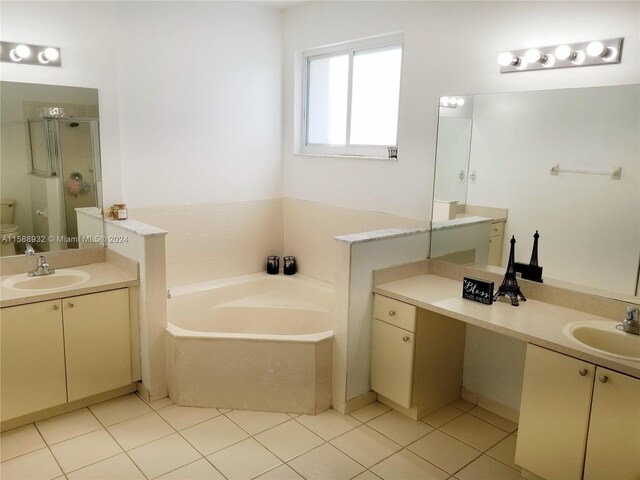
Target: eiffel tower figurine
[(509, 287), (534, 253)]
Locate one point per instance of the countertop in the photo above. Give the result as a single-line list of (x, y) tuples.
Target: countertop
[(533, 321), (104, 276)]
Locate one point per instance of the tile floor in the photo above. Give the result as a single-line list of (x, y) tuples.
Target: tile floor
[(126, 438)]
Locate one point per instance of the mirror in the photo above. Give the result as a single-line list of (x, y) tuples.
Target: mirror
[(50, 161), (563, 162)]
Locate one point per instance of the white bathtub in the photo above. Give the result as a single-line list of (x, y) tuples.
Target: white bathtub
[(257, 342)]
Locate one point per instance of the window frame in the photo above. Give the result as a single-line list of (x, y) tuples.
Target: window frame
[(387, 42)]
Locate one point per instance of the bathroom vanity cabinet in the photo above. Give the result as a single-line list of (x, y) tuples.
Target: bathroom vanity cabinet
[(62, 350), (496, 240), (416, 358), (577, 419)]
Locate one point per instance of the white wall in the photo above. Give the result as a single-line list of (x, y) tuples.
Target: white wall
[(200, 101), (450, 48), (589, 225)]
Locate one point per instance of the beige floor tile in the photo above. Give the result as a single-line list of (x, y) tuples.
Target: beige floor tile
[(473, 431), (283, 472), (293, 415), (214, 435), (486, 468), (198, 470), (244, 460), (140, 430), (164, 455), (289, 440), (493, 419), (329, 424), (31, 466), (505, 451), (225, 410), (255, 422), (365, 445), (84, 450), (63, 427), (442, 416), (324, 462), (119, 409), (367, 475), (185, 417), (444, 451), (399, 428), (369, 412), (20, 441), (407, 465), (462, 404), (119, 467)]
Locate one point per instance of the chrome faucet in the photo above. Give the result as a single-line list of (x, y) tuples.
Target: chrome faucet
[(631, 324), (28, 249), (42, 268)]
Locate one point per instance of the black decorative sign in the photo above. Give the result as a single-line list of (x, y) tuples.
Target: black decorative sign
[(477, 290)]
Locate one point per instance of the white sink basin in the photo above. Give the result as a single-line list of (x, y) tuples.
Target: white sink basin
[(605, 338), (60, 279)]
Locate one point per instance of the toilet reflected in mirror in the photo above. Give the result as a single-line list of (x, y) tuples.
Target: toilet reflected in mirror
[(9, 231)]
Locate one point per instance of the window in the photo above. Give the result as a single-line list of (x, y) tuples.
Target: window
[(351, 99)]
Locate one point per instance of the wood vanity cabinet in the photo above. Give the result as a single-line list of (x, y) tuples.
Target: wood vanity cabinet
[(416, 357), (59, 351), (577, 420)]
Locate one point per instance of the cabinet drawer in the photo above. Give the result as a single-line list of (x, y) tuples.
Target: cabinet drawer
[(394, 312), (497, 229)]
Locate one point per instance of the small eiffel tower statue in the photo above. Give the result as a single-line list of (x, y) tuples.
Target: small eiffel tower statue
[(534, 253), (509, 287)]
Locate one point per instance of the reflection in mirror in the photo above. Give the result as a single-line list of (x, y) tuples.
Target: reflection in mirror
[(50, 160), (589, 221)]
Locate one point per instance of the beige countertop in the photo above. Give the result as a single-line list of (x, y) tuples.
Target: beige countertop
[(533, 321), (104, 276)]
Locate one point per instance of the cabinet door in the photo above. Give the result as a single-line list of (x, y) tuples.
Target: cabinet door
[(97, 342), (495, 250), (32, 358), (392, 362), (613, 448), (554, 414)]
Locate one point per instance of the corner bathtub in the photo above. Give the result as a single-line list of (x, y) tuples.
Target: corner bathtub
[(255, 342)]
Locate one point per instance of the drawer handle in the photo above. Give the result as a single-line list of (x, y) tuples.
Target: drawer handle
[(604, 379), (392, 313), (583, 372), (56, 307), (70, 305), (405, 339)]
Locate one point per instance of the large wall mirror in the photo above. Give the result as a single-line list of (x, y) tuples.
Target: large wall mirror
[(50, 161), (563, 162)]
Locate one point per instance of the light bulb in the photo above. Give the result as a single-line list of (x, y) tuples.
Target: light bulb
[(460, 102), (20, 52), (564, 52), (48, 55), (534, 55), (453, 100), (596, 49), (507, 58), (444, 101)]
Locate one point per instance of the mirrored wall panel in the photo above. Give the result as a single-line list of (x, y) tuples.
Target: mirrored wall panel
[(51, 189), (565, 163)]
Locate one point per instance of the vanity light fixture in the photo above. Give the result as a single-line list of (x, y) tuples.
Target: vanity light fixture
[(597, 52), (451, 102), (23, 53)]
